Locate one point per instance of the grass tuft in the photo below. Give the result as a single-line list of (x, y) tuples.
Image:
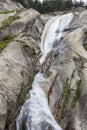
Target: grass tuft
[(6, 12), (9, 20), (77, 94), (5, 41)]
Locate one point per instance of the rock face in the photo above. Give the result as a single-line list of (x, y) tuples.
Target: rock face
[(19, 60), (9, 5), (66, 84), (68, 95), (17, 26)]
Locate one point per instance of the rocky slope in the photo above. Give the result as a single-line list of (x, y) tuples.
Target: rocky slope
[(67, 95), (19, 59), (9, 5), (66, 85)]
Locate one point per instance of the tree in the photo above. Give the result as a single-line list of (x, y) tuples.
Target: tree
[(50, 5), (23, 2)]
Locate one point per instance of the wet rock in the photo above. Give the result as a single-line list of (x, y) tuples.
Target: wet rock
[(67, 98)]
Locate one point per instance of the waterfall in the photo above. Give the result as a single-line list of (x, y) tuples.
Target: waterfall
[(35, 113), (55, 29)]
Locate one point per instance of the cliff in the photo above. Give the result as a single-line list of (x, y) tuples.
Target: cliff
[(66, 84), (20, 30)]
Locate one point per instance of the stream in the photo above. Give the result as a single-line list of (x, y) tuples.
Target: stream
[(35, 114)]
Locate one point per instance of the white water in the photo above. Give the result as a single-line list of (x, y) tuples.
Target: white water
[(54, 31), (35, 113), (36, 109)]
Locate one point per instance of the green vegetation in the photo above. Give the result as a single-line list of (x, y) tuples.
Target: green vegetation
[(65, 95), (49, 6), (75, 98), (9, 20), (31, 77), (77, 94), (6, 12), (5, 41), (21, 97), (85, 46)]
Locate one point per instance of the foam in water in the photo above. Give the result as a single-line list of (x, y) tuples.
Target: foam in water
[(35, 113)]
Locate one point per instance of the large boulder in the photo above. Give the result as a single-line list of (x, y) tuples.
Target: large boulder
[(15, 69), (23, 19), (8, 5), (5, 16)]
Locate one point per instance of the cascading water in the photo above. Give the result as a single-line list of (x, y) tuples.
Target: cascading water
[(55, 29), (35, 113)]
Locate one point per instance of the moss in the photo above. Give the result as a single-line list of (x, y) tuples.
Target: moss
[(85, 46), (65, 95), (75, 98), (9, 20), (31, 77), (7, 38), (6, 12), (21, 98), (77, 94), (35, 71), (5, 41), (78, 90)]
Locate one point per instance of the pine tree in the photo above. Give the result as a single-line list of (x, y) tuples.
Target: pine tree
[(50, 5)]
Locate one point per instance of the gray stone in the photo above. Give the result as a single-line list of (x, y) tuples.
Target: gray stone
[(8, 5)]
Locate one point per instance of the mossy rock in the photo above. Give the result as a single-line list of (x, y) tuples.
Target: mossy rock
[(22, 97), (9, 20), (85, 46), (5, 41), (6, 12), (77, 94)]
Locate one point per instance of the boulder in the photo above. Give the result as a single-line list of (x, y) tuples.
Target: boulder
[(8, 5), (24, 19)]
